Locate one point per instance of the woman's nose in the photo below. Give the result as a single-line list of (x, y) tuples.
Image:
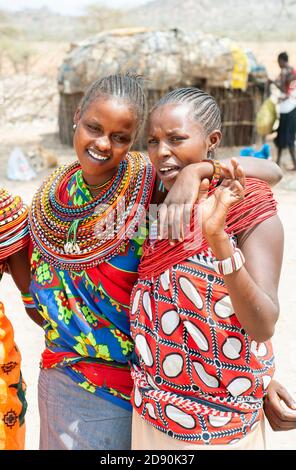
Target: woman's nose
[(164, 150), (103, 143)]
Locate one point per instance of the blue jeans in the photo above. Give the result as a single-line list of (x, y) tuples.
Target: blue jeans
[(73, 419)]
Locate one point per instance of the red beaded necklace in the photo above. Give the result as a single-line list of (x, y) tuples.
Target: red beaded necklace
[(258, 205)]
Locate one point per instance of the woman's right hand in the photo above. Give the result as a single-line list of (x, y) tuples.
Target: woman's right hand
[(174, 213), (214, 209)]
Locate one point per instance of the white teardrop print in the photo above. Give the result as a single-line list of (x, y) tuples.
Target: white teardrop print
[(173, 365), (191, 292), (170, 320), (234, 441), (258, 349), (179, 417), (232, 348), (209, 380), (219, 421), (223, 308), (165, 280), (197, 336), (266, 381), (253, 348), (238, 386), (136, 302), (151, 410), (144, 350), (137, 397), (261, 350), (147, 305)]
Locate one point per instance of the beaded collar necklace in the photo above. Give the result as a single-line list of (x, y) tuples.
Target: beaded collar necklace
[(78, 237)]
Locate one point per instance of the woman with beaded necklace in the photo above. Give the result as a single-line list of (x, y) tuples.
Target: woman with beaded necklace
[(87, 235), (204, 310)]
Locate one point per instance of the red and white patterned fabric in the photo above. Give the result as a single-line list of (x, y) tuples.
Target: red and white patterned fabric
[(200, 377)]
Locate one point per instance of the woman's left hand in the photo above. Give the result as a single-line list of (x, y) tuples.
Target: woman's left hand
[(279, 418)]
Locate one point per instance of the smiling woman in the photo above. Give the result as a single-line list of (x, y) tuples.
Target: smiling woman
[(101, 143), (78, 262)]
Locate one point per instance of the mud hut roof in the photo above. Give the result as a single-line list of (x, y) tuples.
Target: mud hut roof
[(167, 59)]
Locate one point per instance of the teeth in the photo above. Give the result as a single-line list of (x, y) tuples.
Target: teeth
[(163, 170), (96, 156)]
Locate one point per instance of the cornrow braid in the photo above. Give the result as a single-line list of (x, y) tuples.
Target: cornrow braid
[(204, 106), (126, 86)]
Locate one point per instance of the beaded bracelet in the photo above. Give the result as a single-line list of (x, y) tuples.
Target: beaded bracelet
[(216, 171), (28, 300), (231, 264)]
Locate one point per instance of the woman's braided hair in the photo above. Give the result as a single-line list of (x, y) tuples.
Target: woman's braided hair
[(125, 86), (205, 108)]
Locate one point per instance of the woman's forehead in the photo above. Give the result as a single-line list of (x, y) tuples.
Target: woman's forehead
[(171, 114), (111, 108)]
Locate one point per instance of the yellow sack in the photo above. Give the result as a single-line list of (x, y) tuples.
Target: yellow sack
[(239, 77), (266, 117)]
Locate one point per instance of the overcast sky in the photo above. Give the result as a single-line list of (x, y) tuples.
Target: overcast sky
[(69, 7)]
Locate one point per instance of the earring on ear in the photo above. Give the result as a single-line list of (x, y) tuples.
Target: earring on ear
[(210, 154), (74, 127)]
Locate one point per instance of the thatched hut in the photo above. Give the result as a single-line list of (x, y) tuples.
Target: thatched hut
[(168, 59)]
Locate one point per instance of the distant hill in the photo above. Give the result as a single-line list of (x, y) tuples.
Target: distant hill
[(42, 24), (244, 19), (240, 19)]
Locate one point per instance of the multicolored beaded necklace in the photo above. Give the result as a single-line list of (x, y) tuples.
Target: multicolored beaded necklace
[(70, 236), (14, 232)]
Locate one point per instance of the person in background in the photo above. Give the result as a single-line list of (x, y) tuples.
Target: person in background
[(286, 132)]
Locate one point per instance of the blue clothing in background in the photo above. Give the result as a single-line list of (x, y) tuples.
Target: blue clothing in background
[(251, 152)]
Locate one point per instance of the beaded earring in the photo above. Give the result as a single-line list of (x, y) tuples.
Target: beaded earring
[(74, 127)]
